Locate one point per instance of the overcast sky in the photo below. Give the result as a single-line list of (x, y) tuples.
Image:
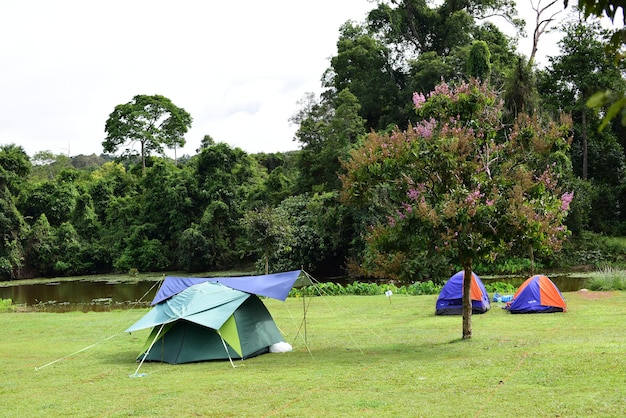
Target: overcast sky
[(239, 68)]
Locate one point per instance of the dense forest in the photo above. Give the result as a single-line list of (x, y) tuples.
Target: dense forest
[(321, 207)]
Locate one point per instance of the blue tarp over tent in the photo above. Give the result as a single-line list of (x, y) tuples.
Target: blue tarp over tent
[(275, 286)]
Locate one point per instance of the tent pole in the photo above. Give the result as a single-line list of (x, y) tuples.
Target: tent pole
[(148, 351), (226, 348), (306, 341)]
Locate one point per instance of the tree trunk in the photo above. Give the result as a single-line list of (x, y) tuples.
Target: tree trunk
[(143, 158), (467, 302), (584, 135)]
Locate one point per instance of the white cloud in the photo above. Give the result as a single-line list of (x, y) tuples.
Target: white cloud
[(239, 68)]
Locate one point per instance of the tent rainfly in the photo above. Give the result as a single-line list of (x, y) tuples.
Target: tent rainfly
[(200, 319), (538, 294), (450, 300)]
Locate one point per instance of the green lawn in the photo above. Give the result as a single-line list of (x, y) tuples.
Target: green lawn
[(365, 357)]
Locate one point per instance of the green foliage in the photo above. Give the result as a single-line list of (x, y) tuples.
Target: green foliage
[(582, 68), (479, 61), (607, 279), (6, 305), (152, 121), (141, 251), (269, 232), (424, 288), (40, 247), (364, 66), (366, 289), (457, 188), (15, 166), (317, 234), (11, 221), (327, 132), (502, 288), (193, 250), (56, 199), (520, 90), (592, 249), (509, 265)]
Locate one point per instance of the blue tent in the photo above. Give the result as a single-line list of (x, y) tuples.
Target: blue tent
[(538, 294), (450, 300)]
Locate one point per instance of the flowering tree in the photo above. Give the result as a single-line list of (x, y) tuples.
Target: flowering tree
[(460, 186)]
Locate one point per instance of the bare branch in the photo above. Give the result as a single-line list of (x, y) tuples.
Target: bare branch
[(541, 24)]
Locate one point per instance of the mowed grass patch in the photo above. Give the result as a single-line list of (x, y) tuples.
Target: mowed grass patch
[(356, 356)]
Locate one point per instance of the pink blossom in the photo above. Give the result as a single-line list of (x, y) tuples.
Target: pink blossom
[(414, 193), (566, 199), (418, 100), (474, 196), (425, 128)]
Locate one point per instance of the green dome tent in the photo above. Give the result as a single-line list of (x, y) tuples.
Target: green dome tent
[(208, 321)]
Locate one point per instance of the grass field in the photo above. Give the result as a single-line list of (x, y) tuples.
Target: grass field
[(364, 356)]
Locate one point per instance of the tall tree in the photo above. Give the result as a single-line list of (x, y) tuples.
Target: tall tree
[(479, 61), (268, 231), (364, 65), (614, 98), (410, 45), (328, 131), (520, 90), (581, 68), (413, 27), (456, 179), (544, 17), (227, 179), (152, 121)]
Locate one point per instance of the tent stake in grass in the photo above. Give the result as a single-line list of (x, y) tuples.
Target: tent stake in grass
[(146, 353)]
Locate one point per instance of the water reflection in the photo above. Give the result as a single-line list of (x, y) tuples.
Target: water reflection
[(565, 283), (81, 295)]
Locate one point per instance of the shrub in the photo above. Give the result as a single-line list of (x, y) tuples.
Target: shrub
[(366, 289), (6, 305), (607, 279), (500, 287), (424, 288)]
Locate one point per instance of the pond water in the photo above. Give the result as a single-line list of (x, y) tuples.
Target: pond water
[(565, 283), (81, 295), (104, 296)]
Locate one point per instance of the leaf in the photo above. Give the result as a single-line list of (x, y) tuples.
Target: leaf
[(599, 99), (612, 112)]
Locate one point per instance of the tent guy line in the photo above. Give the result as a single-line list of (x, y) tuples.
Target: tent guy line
[(76, 352)]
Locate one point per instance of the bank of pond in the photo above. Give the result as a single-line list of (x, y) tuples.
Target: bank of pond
[(104, 295)]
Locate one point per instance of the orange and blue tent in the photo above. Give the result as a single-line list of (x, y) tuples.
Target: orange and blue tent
[(450, 300), (538, 294)]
